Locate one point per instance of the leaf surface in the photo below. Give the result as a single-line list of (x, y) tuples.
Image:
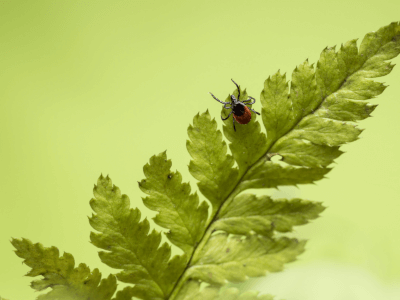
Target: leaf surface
[(267, 174), (235, 258), (178, 210), (261, 214), (129, 245), (277, 109), (60, 274), (210, 164)]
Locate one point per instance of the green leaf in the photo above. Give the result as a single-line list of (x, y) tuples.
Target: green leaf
[(330, 72), (267, 174), (322, 131), (262, 215), (191, 291), (130, 246), (277, 110), (304, 153), (303, 91), (60, 274), (210, 164), (248, 143), (281, 109), (126, 294), (306, 124), (178, 210), (235, 258)]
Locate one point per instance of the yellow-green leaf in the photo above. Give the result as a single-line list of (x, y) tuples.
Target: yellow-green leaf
[(59, 274), (129, 246), (178, 210)]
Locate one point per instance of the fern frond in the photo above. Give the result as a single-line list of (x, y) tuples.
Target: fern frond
[(129, 245), (178, 210), (60, 274), (306, 124)]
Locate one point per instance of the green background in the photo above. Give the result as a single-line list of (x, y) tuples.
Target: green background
[(90, 87)]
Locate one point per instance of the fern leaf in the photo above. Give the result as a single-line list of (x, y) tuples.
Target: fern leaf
[(249, 213), (210, 164), (305, 153), (192, 291), (306, 124), (277, 110), (178, 210), (126, 294), (267, 174), (235, 259), (130, 246), (60, 274)]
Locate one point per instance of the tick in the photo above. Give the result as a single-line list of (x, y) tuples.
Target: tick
[(241, 113)]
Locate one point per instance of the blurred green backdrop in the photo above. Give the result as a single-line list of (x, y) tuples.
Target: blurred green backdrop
[(90, 87)]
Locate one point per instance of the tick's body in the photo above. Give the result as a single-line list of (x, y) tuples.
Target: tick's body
[(241, 113)]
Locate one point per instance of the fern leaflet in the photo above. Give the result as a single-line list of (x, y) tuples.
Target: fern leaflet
[(67, 282)]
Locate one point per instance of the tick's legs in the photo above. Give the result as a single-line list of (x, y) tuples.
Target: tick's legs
[(226, 117), (234, 122), (254, 111), (219, 100), (237, 89), (251, 98), (227, 107)]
